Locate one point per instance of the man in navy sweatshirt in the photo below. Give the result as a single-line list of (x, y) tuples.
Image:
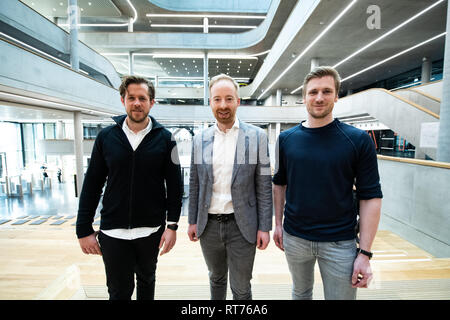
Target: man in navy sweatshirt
[(318, 162), (138, 160)]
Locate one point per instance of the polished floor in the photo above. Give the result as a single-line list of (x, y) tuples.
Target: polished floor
[(40, 259)]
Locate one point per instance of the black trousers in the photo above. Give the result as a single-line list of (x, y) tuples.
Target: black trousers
[(125, 258)]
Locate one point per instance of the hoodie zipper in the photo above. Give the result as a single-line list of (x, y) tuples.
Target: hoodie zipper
[(131, 189)]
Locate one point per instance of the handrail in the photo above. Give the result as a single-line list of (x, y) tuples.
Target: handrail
[(53, 61), (428, 163), (415, 105), (67, 33), (424, 94)]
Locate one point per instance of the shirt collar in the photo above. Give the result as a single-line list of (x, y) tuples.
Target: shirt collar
[(144, 131), (234, 127)]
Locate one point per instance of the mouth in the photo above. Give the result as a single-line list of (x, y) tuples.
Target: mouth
[(223, 114)]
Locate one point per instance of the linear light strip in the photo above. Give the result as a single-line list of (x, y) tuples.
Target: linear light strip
[(158, 25), (394, 56), (188, 56), (156, 15), (388, 33), (343, 12), (54, 104), (381, 37), (107, 24)]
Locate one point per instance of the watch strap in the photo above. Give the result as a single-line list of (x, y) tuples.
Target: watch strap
[(364, 252), (172, 226)]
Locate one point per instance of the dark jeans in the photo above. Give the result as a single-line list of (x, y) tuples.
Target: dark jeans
[(125, 258), (225, 249)]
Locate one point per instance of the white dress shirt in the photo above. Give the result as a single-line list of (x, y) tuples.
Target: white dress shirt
[(224, 150), (130, 234)]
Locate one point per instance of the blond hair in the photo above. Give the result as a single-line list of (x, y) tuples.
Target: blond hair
[(222, 76), (320, 72)]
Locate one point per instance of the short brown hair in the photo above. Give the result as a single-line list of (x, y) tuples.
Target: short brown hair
[(222, 76), (320, 72), (127, 80)]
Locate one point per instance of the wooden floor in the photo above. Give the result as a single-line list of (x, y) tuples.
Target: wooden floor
[(44, 261)]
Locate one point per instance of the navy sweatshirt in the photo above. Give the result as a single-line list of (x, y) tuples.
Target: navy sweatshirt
[(319, 167), (143, 187)]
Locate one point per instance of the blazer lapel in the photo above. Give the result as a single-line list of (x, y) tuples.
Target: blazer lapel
[(241, 151), (207, 150)]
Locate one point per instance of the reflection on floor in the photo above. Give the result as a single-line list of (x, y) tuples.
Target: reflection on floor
[(59, 200), (44, 261)]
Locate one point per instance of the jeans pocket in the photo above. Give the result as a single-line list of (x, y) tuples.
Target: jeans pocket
[(345, 244)]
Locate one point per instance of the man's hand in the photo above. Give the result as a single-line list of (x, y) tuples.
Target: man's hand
[(362, 273), (262, 239), (169, 238), (192, 232), (89, 244), (278, 237)]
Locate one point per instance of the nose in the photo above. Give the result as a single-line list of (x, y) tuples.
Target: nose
[(222, 104), (319, 96)]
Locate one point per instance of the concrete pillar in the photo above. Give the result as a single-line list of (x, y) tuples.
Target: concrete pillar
[(443, 148), (78, 141), (205, 25), (130, 63), (314, 63), (205, 79), (73, 22), (277, 130), (279, 101), (59, 130), (130, 25), (426, 70)]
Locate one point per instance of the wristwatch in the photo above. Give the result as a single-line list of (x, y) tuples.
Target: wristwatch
[(173, 226), (364, 252)]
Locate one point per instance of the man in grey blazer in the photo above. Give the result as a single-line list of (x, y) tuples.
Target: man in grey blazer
[(230, 198)]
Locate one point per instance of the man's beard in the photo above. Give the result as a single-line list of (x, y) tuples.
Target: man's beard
[(137, 120), (322, 114)]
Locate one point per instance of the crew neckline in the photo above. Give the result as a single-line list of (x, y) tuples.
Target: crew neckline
[(318, 129)]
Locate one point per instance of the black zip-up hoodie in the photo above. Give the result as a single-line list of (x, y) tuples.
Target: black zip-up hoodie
[(144, 187)]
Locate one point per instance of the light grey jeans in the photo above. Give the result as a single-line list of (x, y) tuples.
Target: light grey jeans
[(335, 263), (225, 249)]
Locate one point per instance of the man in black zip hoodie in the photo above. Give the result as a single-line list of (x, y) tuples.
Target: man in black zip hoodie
[(138, 160)]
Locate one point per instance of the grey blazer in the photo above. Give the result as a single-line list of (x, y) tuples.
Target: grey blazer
[(251, 183)]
